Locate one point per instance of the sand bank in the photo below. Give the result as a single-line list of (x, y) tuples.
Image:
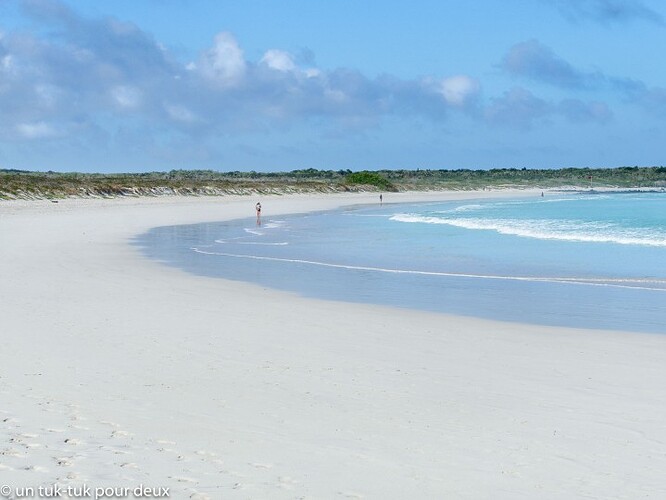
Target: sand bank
[(119, 371)]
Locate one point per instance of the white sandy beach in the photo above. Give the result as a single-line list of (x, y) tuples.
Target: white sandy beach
[(120, 371)]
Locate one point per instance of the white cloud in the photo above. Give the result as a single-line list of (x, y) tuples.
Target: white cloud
[(312, 73), (335, 95), (224, 63), (38, 130), (126, 97), (96, 69), (180, 113), (104, 77), (7, 62), (458, 90), (48, 94), (278, 60)]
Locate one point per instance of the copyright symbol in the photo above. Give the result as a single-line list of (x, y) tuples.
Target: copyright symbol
[(5, 490)]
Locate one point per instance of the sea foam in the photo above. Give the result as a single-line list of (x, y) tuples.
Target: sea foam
[(564, 230)]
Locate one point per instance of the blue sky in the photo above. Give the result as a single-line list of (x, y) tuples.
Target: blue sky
[(142, 85)]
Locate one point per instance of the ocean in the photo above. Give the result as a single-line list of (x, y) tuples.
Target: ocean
[(591, 260)]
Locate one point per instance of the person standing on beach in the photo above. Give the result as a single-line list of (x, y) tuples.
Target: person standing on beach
[(381, 199), (257, 207)]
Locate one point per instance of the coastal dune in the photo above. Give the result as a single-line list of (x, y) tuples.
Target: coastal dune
[(118, 371)]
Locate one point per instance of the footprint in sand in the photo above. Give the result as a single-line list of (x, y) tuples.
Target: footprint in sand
[(351, 494), (129, 465), (115, 451), (21, 439), (10, 452), (287, 482), (35, 468), (164, 441), (204, 453), (262, 466), (120, 434), (199, 496), (183, 479)]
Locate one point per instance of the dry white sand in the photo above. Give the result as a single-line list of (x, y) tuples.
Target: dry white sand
[(119, 371)]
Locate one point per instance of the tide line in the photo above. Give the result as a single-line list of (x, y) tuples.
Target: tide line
[(606, 282)]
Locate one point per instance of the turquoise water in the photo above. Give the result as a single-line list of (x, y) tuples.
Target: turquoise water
[(584, 260)]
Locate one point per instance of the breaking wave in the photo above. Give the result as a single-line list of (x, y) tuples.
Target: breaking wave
[(564, 230)]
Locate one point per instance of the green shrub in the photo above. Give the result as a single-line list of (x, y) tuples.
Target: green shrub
[(370, 179)]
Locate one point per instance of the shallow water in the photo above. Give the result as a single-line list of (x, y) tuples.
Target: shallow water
[(585, 260)]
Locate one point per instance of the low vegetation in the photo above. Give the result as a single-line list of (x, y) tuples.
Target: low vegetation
[(373, 179), (27, 184)]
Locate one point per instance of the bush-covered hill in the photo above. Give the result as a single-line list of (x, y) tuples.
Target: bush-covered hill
[(27, 184)]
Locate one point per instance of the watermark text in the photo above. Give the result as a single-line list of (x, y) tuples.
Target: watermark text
[(82, 491)]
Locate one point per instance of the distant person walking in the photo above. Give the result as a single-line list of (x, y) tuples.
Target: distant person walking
[(257, 207), (381, 199)]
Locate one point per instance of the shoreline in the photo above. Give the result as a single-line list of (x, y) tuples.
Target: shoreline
[(472, 304), (128, 371)]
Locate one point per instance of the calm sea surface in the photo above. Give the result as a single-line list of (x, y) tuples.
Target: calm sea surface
[(584, 260)]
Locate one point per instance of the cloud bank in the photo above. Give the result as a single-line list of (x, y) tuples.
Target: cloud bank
[(521, 109), (95, 74), (606, 11), (536, 62), (102, 82)]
